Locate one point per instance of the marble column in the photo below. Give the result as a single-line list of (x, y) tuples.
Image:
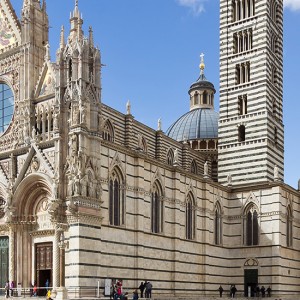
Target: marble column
[(11, 254)]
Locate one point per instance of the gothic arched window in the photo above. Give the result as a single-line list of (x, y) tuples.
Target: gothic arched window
[(190, 217), (116, 198), (170, 157), (251, 226), (194, 168), (108, 131), (289, 227), (156, 208), (218, 225)]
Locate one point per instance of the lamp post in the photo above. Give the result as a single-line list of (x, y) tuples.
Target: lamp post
[(62, 291)]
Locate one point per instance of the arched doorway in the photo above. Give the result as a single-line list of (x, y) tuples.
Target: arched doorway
[(34, 234)]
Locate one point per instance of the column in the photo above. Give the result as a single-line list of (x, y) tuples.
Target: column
[(56, 262), (236, 10), (241, 74), (246, 9), (246, 73), (11, 254), (238, 43), (241, 10)]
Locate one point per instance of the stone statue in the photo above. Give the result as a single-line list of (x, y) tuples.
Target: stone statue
[(55, 120), (299, 185), (33, 133), (229, 179), (83, 115), (159, 124), (73, 144), (84, 183), (128, 108), (206, 169), (176, 156), (75, 115), (77, 186), (98, 190), (276, 173), (55, 188)]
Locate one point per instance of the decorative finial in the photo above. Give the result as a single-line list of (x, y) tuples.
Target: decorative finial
[(159, 124), (202, 65), (128, 108), (47, 55)]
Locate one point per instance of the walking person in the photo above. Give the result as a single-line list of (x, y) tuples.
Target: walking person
[(233, 290), (269, 291), (6, 287), (142, 288), (221, 291), (148, 289), (12, 287), (263, 291)]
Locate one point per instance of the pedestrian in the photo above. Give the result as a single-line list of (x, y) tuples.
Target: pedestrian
[(148, 289), (49, 295), (233, 290), (269, 291), (263, 291), (12, 286), (135, 295), (221, 291), (142, 288), (257, 291), (34, 290), (6, 287)]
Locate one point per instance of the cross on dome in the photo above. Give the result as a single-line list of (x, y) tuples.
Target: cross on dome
[(202, 65)]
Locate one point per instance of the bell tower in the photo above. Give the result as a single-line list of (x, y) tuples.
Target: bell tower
[(251, 131), (79, 64)]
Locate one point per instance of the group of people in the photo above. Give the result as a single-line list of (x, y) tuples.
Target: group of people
[(116, 291), (263, 291), (147, 288), (9, 288), (258, 291)]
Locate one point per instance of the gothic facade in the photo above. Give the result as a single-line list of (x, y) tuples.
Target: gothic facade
[(88, 193)]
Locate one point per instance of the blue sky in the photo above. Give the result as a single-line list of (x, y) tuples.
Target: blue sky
[(151, 50)]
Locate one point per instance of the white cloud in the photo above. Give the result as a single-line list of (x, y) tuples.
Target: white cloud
[(292, 4), (196, 6)]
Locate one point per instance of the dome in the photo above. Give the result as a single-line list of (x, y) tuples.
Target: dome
[(202, 83), (200, 123)]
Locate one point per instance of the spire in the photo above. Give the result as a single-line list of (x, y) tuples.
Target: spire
[(62, 38), (91, 36), (202, 65), (76, 23)]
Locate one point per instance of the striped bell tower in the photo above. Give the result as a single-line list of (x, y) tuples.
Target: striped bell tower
[(251, 133)]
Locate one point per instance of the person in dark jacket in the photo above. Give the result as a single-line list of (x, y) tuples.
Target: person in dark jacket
[(142, 288), (221, 291)]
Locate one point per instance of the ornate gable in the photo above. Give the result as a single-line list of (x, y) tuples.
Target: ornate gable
[(10, 32), (46, 84)]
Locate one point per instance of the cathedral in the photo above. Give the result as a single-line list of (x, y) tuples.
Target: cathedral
[(89, 195)]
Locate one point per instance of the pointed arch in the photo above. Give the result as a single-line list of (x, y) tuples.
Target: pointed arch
[(170, 157), (108, 131), (289, 226), (194, 167), (157, 207), (218, 224), (251, 226), (190, 219), (116, 198)]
